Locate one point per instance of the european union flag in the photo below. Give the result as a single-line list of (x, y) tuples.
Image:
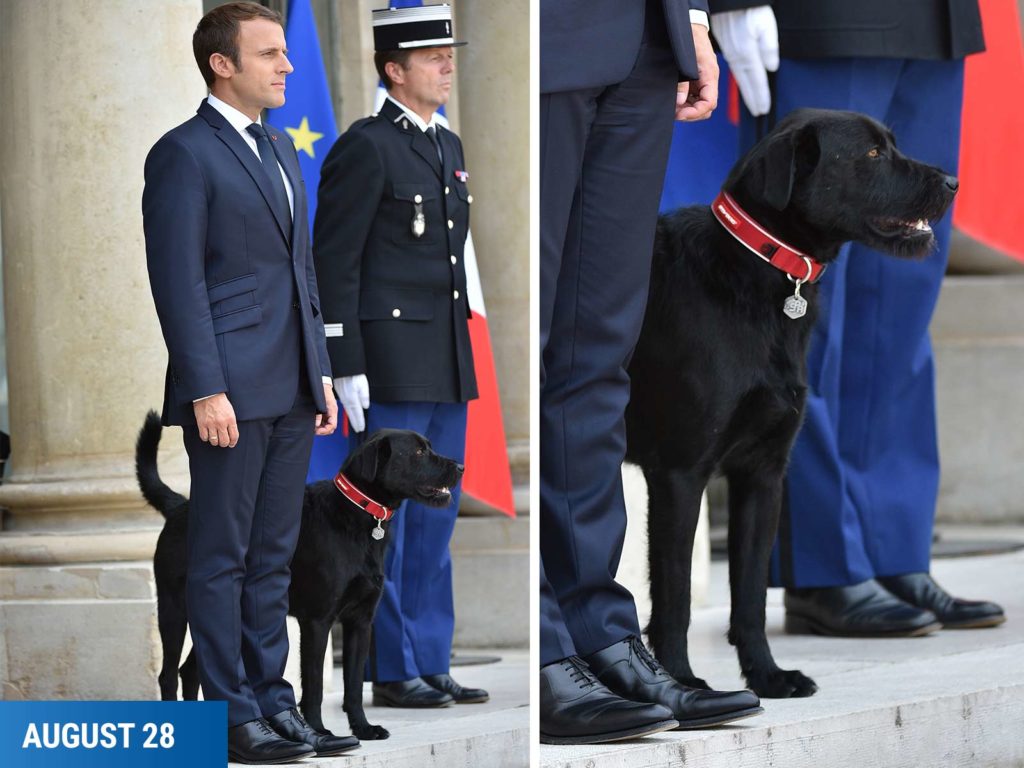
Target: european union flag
[(307, 115)]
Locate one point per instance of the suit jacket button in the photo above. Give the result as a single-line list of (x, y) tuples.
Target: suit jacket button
[(447, 191), (469, 198), (451, 224), (418, 199), (396, 312), (456, 295), (454, 260)]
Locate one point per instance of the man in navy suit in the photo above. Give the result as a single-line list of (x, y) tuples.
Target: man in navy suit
[(248, 378), (613, 73), (856, 527)]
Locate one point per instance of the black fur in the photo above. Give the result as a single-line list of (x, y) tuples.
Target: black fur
[(719, 374), (337, 570)]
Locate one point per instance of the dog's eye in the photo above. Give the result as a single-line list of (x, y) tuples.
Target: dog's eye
[(873, 152)]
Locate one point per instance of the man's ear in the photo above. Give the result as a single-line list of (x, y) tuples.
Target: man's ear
[(396, 72), (221, 65)]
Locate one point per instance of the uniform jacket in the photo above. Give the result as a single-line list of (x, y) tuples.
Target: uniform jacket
[(395, 305), (590, 43), (893, 29), (234, 285)]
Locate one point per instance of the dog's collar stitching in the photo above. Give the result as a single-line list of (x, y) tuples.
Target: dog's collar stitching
[(361, 500), (761, 243)]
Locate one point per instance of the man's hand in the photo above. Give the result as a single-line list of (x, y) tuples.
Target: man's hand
[(215, 418), (696, 99), (750, 43), (354, 394), (326, 423)]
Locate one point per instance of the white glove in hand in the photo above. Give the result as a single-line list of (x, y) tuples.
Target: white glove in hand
[(749, 40), (354, 396)]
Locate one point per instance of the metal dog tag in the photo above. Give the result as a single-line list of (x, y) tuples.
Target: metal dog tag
[(795, 306), (419, 222), (378, 532)]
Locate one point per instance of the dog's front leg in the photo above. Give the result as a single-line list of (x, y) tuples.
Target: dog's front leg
[(754, 504), (355, 649), (673, 507), (313, 635)]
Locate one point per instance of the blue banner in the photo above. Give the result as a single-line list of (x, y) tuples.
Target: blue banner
[(307, 116), (111, 734)]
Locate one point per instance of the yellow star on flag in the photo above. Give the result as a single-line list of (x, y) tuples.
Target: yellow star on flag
[(303, 137)]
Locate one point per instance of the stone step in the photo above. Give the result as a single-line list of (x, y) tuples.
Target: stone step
[(495, 734), (491, 582), (954, 698), (978, 336)]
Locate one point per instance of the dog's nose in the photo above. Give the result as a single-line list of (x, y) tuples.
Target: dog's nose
[(953, 183), (461, 468)]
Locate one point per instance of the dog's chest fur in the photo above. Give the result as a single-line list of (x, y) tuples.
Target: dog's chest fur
[(719, 374)]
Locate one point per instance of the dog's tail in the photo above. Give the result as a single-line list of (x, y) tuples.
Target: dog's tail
[(159, 496)]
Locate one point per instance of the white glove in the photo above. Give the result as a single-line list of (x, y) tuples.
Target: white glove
[(749, 40), (354, 396)]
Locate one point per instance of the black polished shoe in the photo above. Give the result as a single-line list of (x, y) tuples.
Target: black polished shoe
[(861, 610), (629, 670), (256, 743), (291, 725), (921, 590), (445, 684), (576, 708), (412, 694)]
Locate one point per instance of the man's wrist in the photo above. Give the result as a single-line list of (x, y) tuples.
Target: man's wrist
[(206, 397)]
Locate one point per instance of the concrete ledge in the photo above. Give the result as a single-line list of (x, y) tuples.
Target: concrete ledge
[(954, 698)]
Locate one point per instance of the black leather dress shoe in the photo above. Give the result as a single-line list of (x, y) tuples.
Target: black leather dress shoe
[(290, 724), (412, 694), (445, 684), (256, 743), (921, 590), (629, 670), (576, 708), (861, 610)]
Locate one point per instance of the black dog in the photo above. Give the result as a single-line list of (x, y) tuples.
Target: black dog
[(719, 374), (337, 570)]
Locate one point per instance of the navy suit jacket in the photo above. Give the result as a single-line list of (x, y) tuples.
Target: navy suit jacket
[(590, 43), (234, 285)]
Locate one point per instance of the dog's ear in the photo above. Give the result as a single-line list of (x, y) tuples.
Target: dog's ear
[(786, 155), (371, 458)]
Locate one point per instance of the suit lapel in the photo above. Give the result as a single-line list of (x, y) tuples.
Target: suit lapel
[(247, 158), (421, 145)]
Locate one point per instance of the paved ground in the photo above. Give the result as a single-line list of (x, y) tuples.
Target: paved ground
[(490, 735), (955, 698)]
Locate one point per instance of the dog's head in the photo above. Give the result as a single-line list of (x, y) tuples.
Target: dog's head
[(826, 177), (397, 464)]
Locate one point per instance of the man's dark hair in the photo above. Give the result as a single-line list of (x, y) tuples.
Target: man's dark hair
[(218, 33), (400, 57)]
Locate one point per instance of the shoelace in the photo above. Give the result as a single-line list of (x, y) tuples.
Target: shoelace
[(265, 728), (300, 718), (579, 672), (638, 649)]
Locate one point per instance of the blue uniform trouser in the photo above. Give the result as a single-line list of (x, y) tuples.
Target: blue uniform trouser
[(412, 631), (603, 155), (864, 474)]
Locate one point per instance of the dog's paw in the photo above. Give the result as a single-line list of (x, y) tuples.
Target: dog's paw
[(370, 733), (781, 684)]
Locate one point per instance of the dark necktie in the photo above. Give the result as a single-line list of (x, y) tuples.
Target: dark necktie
[(272, 169), (432, 135)]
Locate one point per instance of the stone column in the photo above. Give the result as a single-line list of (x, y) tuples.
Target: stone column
[(87, 89), (494, 112)]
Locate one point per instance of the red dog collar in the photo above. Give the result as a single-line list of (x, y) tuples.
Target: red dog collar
[(361, 500), (738, 223)]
